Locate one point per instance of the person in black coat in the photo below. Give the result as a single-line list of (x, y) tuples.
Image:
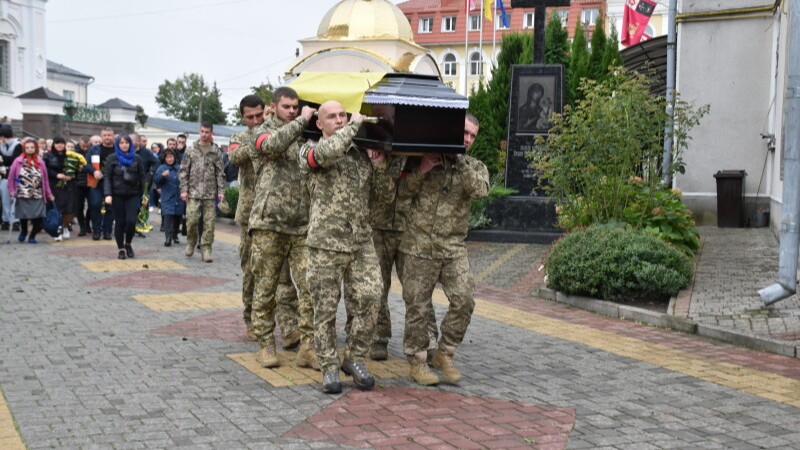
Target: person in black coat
[(123, 184)]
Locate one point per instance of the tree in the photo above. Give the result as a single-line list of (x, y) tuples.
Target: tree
[(181, 98), (611, 56), (264, 91), (599, 44), (579, 64)]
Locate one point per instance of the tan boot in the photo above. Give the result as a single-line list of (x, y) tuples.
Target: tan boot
[(420, 372), (251, 333), (307, 357), (207, 257), (379, 351), (443, 360), (267, 357), (189, 250), (291, 340)]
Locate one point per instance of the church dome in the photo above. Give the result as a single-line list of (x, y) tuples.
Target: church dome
[(365, 20)]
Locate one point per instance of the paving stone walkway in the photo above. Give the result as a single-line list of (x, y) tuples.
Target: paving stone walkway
[(151, 354)]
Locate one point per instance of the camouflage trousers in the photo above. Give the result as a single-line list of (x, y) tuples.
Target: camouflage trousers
[(360, 271), (193, 209), (286, 293), (419, 278), (270, 253)]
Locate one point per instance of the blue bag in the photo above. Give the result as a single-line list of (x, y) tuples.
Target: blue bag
[(52, 221)]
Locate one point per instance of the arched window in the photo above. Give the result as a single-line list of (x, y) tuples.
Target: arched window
[(5, 69), (450, 65), (476, 64)]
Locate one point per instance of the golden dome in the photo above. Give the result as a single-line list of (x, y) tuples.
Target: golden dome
[(365, 20)]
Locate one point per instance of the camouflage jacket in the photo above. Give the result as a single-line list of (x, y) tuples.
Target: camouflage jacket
[(389, 214), (282, 199), (340, 179), (240, 156), (201, 176), (438, 217)]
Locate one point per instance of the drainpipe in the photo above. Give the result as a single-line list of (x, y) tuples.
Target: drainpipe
[(669, 127), (790, 223)]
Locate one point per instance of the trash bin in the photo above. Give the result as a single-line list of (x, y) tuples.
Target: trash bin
[(730, 198)]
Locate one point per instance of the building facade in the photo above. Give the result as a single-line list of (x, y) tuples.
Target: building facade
[(465, 43), (23, 60)]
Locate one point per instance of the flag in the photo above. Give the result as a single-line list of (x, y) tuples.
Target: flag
[(487, 10), (635, 16), (503, 13), (471, 5)]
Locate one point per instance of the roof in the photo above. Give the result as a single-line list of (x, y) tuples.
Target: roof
[(118, 103), (42, 93), (649, 57), (62, 69), (180, 126), (429, 5)]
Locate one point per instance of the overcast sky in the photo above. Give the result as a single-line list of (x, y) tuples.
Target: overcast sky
[(130, 47)]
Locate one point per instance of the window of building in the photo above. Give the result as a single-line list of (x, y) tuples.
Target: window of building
[(589, 16), (450, 65), (475, 22), (426, 25), (448, 24), (527, 21), (69, 95), (498, 21), (475, 64), (564, 15), (5, 60)]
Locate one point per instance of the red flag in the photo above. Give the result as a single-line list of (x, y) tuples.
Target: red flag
[(635, 16)]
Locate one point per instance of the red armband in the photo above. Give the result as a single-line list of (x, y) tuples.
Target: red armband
[(312, 162), (260, 140)]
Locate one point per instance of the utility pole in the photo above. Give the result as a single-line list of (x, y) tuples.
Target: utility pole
[(202, 97), (670, 125)]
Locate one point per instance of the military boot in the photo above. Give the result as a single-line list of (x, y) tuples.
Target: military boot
[(307, 357), (379, 351), (251, 333), (419, 371), (267, 356), (207, 257), (291, 340), (443, 360), (189, 250)]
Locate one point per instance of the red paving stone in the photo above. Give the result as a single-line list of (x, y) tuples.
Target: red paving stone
[(348, 421), (98, 252), (161, 281), (222, 325), (763, 361)]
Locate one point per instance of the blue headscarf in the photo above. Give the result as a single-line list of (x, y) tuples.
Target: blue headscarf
[(125, 159)]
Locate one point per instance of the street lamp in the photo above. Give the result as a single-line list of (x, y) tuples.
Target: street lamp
[(70, 108)]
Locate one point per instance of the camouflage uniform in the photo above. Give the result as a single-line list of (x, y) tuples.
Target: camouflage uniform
[(278, 226), (202, 177), (433, 248), (248, 176), (340, 242)]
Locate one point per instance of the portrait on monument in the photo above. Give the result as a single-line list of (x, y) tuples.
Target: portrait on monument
[(536, 92)]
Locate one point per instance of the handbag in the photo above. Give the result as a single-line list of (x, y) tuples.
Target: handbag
[(52, 220), (129, 176)]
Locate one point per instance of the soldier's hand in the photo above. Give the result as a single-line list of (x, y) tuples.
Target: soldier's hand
[(221, 197), (357, 117), (376, 156), (184, 196), (429, 161), (308, 112)]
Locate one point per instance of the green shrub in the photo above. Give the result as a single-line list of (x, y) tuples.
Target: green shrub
[(232, 196), (665, 216), (477, 215), (616, 262)]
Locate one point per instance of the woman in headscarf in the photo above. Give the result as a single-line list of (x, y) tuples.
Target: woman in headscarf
[(29, 188), (123, 184), (172, 207)]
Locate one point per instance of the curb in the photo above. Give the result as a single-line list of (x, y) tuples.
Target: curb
[(661, 320)]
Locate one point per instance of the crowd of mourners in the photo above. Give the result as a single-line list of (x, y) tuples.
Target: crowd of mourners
[(321, 220)]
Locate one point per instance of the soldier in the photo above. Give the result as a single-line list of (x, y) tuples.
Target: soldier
[(278, 225), (202, 182), (340, 242), (252, 110), (433, 249)]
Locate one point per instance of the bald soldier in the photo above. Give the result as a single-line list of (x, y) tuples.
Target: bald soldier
[(251, 109), (433, 250), (340, 249)]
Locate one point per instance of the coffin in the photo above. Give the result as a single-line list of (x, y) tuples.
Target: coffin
[(409, 114)]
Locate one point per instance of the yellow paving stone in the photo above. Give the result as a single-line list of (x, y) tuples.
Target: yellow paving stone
[(767, 385), (287, 374), (485, 273), (191, 301), (9, 437), (81, 243), (131, 265)]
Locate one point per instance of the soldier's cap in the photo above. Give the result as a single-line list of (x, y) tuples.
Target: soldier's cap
[(224, 207)]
